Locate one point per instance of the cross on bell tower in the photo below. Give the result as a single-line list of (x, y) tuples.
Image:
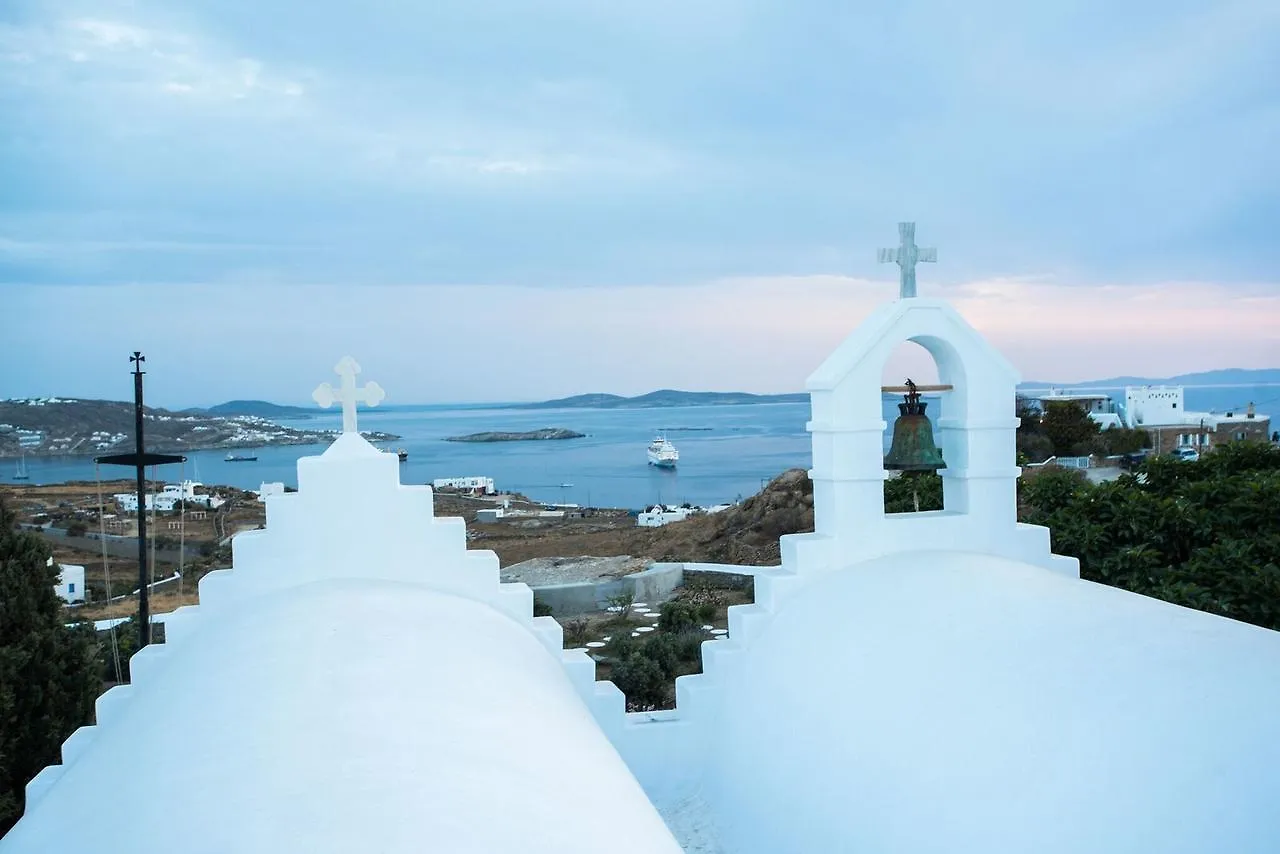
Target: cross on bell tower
[(906, 256), (347, 394)]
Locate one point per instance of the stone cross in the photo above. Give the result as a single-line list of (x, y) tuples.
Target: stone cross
[(347, 393), (906, 256)]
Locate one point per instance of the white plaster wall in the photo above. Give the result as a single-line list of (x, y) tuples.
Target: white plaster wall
[(938, 702), (1155, 406), (70, 586), (348, 715)]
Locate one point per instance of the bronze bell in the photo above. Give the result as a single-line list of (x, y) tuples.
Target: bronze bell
[(913, 448)]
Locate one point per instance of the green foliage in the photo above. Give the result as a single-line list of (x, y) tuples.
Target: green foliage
[(76, 528), (1204, 534), (48, 673), (540, 608), (645, 670), (1070, 429), (900, 492), (1123, 440), (641, 679), (622, 602), (680, 615)]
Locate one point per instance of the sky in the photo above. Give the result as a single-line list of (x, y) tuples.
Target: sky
[(515, 200)]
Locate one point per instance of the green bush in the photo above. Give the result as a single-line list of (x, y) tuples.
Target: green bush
[(642, 681), (678, 616), (540, 608)]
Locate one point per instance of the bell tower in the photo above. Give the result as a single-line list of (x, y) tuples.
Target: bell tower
[(976, 437)]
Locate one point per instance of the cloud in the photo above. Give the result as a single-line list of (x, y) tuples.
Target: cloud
[(1071, 155), (443, 343)]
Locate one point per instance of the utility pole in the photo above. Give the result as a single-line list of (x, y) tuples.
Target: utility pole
[(140, 459)]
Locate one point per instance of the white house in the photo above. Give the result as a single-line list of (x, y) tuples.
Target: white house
[(267, 490), (483, 485), (70, 587), (909, 682), (1100, 407), (663, 514)]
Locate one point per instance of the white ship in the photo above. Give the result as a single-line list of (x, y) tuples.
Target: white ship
[(662, 453)]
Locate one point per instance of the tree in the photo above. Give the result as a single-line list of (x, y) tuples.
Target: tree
[(1070, 429), (49, 675), (1205, 535), (1032, 443)]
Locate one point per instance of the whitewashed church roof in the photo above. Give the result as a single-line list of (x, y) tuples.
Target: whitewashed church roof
[(951, 702), (348, 716)]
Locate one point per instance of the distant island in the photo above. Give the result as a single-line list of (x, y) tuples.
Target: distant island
[(663, 397), (1225, 377), (52, 426), (545, 433), (260, 408)]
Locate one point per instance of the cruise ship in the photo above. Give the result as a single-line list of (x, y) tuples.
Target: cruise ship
[(662, 453)]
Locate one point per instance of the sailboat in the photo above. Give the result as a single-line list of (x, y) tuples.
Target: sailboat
[(21, 472)]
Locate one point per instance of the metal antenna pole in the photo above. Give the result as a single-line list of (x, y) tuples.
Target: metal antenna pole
[(139, 460), (144, 609)]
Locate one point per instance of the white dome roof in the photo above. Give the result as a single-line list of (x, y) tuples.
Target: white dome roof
[(975, 704), (349, 716)]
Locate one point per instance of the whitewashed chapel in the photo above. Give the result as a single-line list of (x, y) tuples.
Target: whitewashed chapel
[(926, 682)]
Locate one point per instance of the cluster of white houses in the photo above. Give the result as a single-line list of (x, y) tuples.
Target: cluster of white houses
[(1161, 412), (664, 514), (169, 498)]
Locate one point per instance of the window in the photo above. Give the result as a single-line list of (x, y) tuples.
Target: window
[(71, 587), (1240, 436)]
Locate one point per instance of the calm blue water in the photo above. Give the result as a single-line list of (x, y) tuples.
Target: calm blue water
[(744, 446)]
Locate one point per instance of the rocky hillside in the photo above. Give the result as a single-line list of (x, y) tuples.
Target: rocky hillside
[(745, 534), (49, 426)]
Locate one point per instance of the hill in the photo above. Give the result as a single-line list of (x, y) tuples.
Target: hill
[(746, 533), (1225, 376), (662, 398), (55, 426), (260, 408)]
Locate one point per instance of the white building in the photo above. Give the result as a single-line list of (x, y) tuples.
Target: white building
[(910, 682), (1162, 412), (1100, 407), (169, 498), (267, 490), (483, 485), (663, 514), (70, 587)]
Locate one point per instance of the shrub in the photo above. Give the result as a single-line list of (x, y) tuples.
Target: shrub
[(623, 602), (577, 630), (642, 681), (678, 616), (77, 528), (540, 608)]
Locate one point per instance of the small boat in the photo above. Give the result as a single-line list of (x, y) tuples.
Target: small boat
[(662, 453), (241, 458), (402, 454), (21, 472)]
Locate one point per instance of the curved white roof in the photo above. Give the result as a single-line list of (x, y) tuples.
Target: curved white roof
[(349, 716), (953, 702)]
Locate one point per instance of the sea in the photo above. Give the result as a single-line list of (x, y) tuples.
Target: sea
[(726, 452)]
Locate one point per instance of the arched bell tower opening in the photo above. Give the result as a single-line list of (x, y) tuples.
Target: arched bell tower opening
[(912, 401)]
